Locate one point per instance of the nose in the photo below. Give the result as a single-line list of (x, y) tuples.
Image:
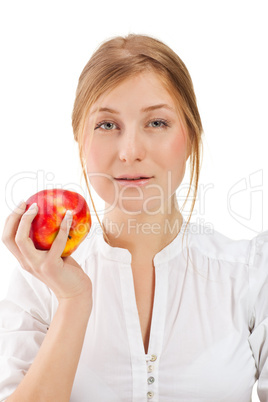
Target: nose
[(131, 147)]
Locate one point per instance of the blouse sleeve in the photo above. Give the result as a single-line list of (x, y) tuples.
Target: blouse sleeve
[(25, 316), (258, 309)]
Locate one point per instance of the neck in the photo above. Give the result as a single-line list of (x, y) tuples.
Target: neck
[(142, 234)]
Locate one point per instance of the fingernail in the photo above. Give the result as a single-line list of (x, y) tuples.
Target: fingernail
[(34, 205), (32, 208), (20, 204), (20, 207), (68, 217)]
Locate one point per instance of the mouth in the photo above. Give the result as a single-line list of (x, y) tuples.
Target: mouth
[(137, 176), (138, 180), (133, 178)]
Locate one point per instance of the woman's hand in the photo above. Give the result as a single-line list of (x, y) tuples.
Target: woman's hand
[(62, 275)]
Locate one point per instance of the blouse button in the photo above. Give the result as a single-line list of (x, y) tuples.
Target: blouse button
[(153, 358), (150, 395), (150, 368), (150, 380)]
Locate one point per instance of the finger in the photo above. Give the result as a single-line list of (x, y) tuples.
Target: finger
[(9, 233), (10, 228), (12, 223), (22, 239), (60, 241)]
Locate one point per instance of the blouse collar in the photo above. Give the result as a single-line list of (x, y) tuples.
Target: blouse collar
[(123, 255)]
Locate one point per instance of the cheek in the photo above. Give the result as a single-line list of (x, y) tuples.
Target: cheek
[(176, 152), (175, 162), (180, 146), (98, 161), (95, 157)]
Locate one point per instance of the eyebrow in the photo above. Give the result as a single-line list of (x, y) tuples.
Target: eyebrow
[(144, 110)]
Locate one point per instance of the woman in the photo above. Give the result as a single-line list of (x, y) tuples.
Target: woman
[(153, 307)]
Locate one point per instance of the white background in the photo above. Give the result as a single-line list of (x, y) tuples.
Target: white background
[(44, 47)]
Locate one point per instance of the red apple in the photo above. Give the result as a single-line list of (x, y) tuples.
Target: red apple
[(52, 206)]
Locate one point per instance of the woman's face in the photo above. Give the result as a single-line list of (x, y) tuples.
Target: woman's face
[(137, 133)]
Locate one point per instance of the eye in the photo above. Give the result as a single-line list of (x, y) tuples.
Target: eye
[(109, 125), (159, 123), (155, 123)]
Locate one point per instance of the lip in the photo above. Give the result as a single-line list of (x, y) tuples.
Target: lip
[(133, 176), (133, 183)]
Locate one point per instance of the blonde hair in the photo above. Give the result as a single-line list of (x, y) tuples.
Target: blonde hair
[(120, 58)]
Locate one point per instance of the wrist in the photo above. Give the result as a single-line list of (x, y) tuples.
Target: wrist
[(81, 303)]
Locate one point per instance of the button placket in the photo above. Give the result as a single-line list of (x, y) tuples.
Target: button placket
[(150, 359), (150, 368), (153, 358), (157, 328), (150, 380)]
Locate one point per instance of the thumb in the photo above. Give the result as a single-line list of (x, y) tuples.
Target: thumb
[(60, 241)]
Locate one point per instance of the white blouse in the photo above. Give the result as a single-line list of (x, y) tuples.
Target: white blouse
[(209, 331)]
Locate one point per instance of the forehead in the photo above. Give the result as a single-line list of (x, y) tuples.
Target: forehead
[(145, 89)]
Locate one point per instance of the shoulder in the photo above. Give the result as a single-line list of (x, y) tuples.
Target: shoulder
[(216, 245)]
